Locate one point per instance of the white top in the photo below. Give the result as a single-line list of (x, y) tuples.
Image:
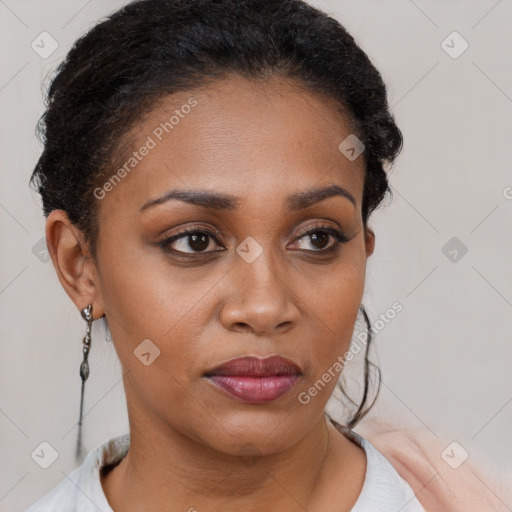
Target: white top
[(384, 490)]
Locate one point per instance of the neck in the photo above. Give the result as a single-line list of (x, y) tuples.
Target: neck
[(166, 470)]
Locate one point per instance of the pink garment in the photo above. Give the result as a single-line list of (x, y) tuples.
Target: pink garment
[(417, 457)]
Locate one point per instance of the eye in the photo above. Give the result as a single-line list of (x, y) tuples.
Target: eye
[(319, 239), (190, 241), (198, 240)]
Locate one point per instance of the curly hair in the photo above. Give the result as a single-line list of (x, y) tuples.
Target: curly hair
[(149, 49)]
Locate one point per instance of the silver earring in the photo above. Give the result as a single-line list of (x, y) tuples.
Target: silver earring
[(84, 373), (108, 335)]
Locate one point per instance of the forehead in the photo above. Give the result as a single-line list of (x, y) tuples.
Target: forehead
[(269, 137)]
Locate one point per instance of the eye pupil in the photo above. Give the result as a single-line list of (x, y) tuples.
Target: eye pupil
[(199, 242), (319, 236)]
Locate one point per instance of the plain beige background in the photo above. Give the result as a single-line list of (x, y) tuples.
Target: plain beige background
[(445, 358)]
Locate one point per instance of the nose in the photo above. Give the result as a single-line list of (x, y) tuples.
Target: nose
[(259, 298)]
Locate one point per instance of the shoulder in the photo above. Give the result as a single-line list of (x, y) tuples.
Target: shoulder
[(383, 489), (81, 490), (428, 464)]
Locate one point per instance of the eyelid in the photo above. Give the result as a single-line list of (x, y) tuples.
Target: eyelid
[(317, 225), (189, 230)]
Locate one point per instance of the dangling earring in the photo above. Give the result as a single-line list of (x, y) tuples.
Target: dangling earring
[(84, 373), (108, 335)]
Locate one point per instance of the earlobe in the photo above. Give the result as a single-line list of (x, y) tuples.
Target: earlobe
[(73, 262)]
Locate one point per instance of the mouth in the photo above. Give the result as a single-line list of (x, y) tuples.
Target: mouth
[(255, 380)]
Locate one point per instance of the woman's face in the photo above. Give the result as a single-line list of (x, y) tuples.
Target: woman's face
[(257, 285)]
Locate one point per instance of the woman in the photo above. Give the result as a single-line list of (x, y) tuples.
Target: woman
[(208, 175)]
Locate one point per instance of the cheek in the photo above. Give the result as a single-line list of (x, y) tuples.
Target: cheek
[(146, 295), (335, 325), (157, 313), (333, 305)]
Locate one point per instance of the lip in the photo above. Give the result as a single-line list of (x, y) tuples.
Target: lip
[(255, 380)]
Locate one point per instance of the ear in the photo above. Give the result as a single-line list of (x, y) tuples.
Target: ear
[(369, 237), (73, 262)]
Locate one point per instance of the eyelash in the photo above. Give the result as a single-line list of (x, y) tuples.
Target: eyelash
[(339, 237)]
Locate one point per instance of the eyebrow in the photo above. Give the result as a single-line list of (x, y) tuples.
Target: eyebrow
[(222, 201)]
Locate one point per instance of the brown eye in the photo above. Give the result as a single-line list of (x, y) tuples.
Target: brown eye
[(319, 239), (197, 241)]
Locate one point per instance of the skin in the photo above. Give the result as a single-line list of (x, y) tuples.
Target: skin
[(192, 446)]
